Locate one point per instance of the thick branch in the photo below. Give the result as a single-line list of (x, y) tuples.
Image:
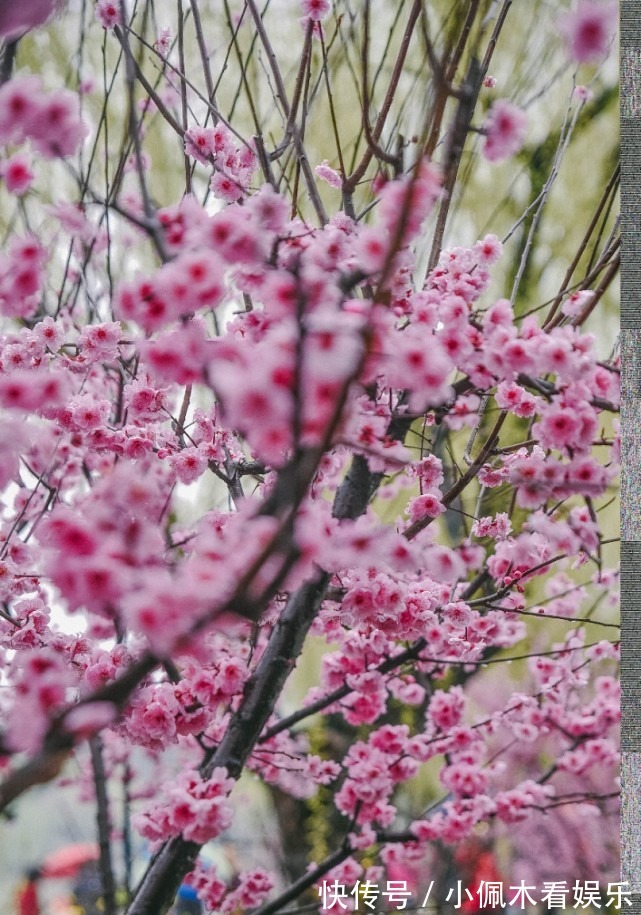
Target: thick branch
[(104, 827), (176, 858)]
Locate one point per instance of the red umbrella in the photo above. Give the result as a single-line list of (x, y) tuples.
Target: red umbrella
[(67, 861)]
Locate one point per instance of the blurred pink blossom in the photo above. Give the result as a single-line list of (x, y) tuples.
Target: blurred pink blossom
[(589, 29), (18, 16), (17, 174), (316, 9), (505, 128)]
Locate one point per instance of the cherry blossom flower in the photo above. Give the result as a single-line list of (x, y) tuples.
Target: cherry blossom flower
[(316, 10), (505, 128), (163, 41), (328, 174), (17, 174), (199, 143), (108, 13), (589, 29)]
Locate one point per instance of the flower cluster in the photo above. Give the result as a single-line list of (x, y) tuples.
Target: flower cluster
[(193, 807), (234, 163), (51, 121)]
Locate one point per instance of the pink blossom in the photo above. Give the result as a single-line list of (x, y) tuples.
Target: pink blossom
[(293, 364), (512, 397), (316, 10), (425, 506), (179, 355), (108, 13), (18, 104), (583, 93), (100, 341), (57, 129), (564, 427), (270, 209), (226, 187), (188, 464), (464, 411), (33, 391), (446, 708), (575, 303), (325, 173), (210, 887), (252, 889), (410, 199), (17, 174), (163, 41), (589, 29), (85, 720), (193, 807), (498, 526), (199, 143), (18, 16), (489, 249), (505, 128), (464, 780), (430, 471)]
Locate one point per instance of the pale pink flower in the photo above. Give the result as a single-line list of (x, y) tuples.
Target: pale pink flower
[(33, 391), (488, 249), (188, 465), (430, 470), (583, 94), (17, 174), (226, 188), (589, 29), (425, 506), (497, 527), (504, 128), (19, 104), (408, 201), (163, 42), (57, 129), (511, 396), (85, 720), (328, 174), (108, 13), (199, 143), (576, 302), (463, 779)]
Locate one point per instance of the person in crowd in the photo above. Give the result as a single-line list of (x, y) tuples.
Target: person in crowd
[(27, 901)]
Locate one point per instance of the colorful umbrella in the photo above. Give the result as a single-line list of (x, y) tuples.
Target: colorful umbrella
[(67, 861)]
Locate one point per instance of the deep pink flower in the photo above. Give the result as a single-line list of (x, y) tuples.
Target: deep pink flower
[(17, 174), (316, 9)]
